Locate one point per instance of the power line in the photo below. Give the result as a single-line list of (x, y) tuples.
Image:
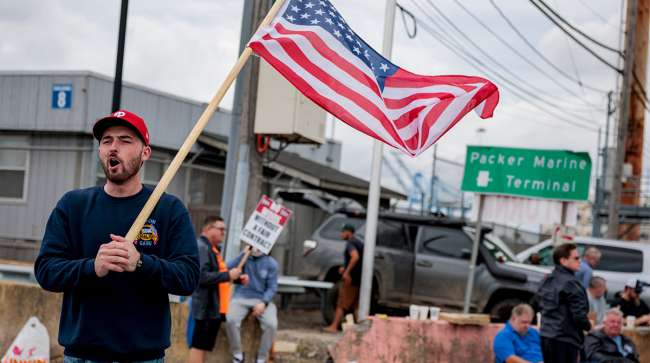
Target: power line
[(573, 60), (481, 66), (506, 69), (462, 53), (644, 94), (567, 23), (540, 54), (514, 50), (571, 57), (598, 15), (584, 46), (545, 122)]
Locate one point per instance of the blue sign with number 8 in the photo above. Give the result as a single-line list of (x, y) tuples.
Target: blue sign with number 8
[(61, 96)]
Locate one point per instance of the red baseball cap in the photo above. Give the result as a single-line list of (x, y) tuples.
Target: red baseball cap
[(125, 118)]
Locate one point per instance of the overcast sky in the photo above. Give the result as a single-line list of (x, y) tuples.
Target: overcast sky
[(187, 47)]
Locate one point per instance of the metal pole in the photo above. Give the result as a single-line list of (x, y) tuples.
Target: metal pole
[(472, 264), (597, 169), (433, 177), (121, 38), (365, 291), (624, 116), (422, 202), (596, 206), (233, 136), (462, 206), (601, 183)]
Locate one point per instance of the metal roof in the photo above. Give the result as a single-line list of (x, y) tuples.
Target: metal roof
[(310, 172)]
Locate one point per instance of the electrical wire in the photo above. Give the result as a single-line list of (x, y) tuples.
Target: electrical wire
[(573, 60), (405, 13), (567, 23), (584, 46), (528, 86), (523, 57), (599, 16), (644, 94), (482, 67), (478, 64), (540, 54)]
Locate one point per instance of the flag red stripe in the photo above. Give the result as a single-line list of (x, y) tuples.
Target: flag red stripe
[(403, 102), (405, 79), (432, 117), (299, 57), (475, 101), (334, 108), (331, 55), (408, 117)]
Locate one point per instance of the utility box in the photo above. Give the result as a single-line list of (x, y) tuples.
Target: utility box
[(283, 112)]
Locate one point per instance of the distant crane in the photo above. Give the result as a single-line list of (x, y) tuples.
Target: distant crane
[(397, 175), (438, 186), (405, 186), (416, 192)]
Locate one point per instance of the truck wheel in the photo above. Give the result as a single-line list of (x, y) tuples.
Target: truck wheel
[(328, 303), (500, 312)]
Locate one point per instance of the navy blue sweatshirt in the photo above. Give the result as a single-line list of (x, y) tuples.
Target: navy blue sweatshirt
[(121, 316)]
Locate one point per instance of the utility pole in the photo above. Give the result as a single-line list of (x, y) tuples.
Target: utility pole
[(247, 184), (624, 113), (233, 136), (601, 182), (119, 62), (634, 146)]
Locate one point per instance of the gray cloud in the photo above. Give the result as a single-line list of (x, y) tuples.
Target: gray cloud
[(186, 48)]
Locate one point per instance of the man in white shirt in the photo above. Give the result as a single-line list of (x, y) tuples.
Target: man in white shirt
[(596, 296)]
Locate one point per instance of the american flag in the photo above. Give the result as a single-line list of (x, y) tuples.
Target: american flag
[(313, 47)]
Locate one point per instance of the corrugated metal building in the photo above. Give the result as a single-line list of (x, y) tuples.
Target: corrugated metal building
[(46, 149)]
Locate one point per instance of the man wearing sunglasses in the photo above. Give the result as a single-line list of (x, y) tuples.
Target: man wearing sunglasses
[(564, 306), (211, 298)]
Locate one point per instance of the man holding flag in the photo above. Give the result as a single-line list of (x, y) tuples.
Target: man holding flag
[(115, 291)]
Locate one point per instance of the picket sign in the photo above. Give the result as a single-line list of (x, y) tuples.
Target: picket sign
[(265, 224), (32, 344)]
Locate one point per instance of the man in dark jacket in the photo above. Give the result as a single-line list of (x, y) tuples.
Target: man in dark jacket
[(608, 344), (116, 291), (210, 300), (564, 307)]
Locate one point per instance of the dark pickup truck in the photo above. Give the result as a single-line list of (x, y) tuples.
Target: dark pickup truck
[(424, 260)]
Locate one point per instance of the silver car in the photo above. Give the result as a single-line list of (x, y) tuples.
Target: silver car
[(621, 260), (424, 260)]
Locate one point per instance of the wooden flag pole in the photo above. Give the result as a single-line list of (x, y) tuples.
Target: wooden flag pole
[(196, 131), (244, 258)]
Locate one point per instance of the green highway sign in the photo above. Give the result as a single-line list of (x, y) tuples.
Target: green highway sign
[(547, 174)]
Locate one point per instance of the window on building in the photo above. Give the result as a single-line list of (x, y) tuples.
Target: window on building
[(14, 165), (152, 172)]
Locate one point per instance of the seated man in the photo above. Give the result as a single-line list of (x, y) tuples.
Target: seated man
[(517, 342), (630, 303), (608, 344), (261, 274), (596, 296)]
